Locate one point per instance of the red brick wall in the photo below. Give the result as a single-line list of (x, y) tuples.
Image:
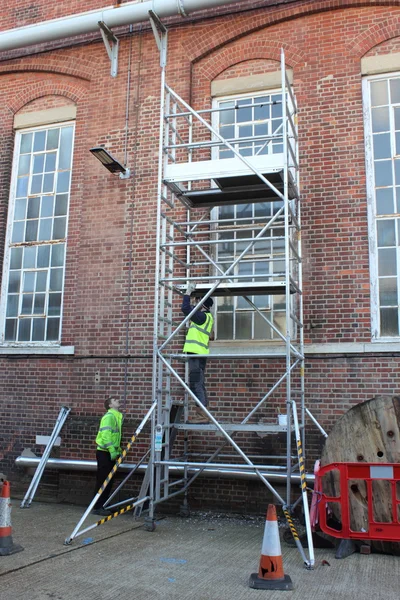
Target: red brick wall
[(108, 305)]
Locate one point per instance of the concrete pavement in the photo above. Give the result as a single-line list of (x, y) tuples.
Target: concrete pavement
[(203, 557)]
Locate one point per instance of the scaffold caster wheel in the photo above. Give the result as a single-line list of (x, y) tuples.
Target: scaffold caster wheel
[(184, 511), (149, 524)]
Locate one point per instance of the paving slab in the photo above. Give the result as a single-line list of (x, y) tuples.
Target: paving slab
[(202, 557)]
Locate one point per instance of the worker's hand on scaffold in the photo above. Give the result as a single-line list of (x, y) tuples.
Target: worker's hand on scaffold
[(190, 288)]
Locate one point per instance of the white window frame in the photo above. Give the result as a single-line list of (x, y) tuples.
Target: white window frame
[(33, 345), (214, 215), (372, 212)]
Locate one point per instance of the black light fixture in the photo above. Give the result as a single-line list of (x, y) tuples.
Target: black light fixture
[(110, 163)]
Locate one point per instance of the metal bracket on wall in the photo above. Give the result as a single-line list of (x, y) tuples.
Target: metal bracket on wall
[(161, 40), (111, 43)]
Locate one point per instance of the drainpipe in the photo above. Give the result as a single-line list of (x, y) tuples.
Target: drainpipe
[(88, 22)]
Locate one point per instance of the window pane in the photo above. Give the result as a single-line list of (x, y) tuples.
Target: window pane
[(41, 280), (33, 208), (36, 185), (54, 304), (29, 282), (61, 205), (386, 233), (53, 326), (261, 112), (383, 173), (10, 334), (38, 163), (27, 304), (48, 182), (382, 145), (12, 306), (389, 322), (384, 201), (22, 187), (52, 139), (387, 261), (57, 255), (65, 148), (59, 228), (63, 181), (262, 331), (50, 164), (31, 231), (30, 257), (39, 141), (38, 307), (388, 292), (43, 256), (24, 332), (225, 326), (26, 142), (243, 326), (20, 209), (47, 206), (14, 282), (24, 164), (38, 330), (45, 229), (56, 276), (226, 117), (395, 91), (16, 258), (18, 232), (380, 119), (379, 93)]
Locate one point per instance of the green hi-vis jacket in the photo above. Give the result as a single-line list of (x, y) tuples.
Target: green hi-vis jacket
[(198, 336), (109, 435)]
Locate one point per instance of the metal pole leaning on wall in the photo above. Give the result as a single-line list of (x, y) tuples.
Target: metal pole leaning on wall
[(63, 414), (309, 564), (77, 531)]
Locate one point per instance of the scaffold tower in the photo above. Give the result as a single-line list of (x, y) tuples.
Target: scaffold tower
[(202, 175)]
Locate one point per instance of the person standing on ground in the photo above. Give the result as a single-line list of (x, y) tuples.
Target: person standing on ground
[(197, 343), (108, 442)]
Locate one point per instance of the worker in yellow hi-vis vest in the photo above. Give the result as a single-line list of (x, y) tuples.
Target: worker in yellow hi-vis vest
[(197, 345), (108, 442)]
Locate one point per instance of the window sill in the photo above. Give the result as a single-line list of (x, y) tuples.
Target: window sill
[(252, 348), (54, 350)]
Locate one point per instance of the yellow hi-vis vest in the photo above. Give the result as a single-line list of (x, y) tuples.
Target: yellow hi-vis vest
[(198, 336), (109, 435)]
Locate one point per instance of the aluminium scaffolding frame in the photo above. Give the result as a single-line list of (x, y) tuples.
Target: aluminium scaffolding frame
[(192, 181)]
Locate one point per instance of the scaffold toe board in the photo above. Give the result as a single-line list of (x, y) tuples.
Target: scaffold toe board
[(224, 167), (243, 288)]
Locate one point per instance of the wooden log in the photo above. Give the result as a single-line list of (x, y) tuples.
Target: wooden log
[(368, 433)]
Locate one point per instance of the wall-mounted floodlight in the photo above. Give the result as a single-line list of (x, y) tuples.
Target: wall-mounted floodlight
[(110, 163)]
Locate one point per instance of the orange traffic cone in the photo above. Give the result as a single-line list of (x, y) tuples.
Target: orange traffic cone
[(270, 574), (6, 542)]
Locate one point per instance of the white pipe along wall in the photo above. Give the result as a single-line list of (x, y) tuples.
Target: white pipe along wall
[(88, 22)]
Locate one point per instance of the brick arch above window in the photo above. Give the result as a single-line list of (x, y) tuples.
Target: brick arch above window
[(198, 47), (30, 92), (376, 34), (78, 67), (252, 49)]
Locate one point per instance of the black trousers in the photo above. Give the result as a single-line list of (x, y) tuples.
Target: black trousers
[(104, 466), (197, 369)]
